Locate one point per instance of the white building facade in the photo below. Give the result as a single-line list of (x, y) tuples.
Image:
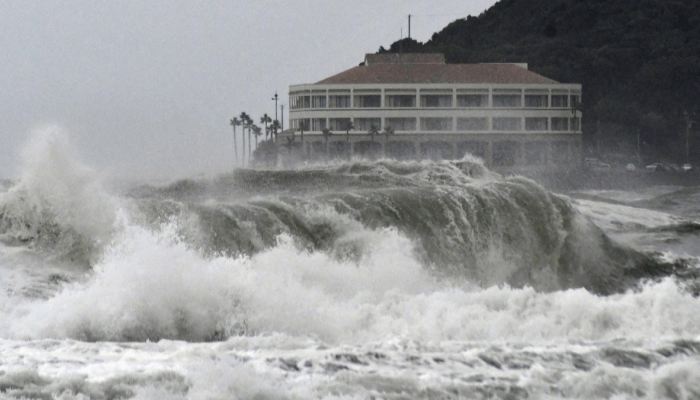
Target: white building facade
[(503, 113)]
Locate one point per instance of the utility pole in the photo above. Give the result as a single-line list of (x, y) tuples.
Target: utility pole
[(409, 26), (282, 125), (275, 99)]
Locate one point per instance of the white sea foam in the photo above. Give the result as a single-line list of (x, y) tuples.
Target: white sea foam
[(150, 285), (58, 202), (361, 318)]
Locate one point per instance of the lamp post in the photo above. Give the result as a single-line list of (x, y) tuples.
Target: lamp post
[(275, 99), (282, 125)]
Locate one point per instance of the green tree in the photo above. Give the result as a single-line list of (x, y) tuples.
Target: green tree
[(327, 135), (373, 131), (265, 119), (245, 118), (234, 123), (636, 54), (348, 127), (274, 128), (266, 153), (302, 127), (290, 143), (257, 132)]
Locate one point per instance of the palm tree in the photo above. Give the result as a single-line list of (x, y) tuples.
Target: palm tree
[(302, 128), (257, 131), (234, 123), (388, 131), (290, 142), (244, 121), (249, 124), (264, 120), (327, 135), (275, 127), (373, 131), (348, 127)]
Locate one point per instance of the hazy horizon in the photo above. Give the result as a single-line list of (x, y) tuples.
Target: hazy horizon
[(146, 89)]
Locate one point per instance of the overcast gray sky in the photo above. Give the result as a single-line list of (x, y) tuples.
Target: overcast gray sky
[(146, 88)]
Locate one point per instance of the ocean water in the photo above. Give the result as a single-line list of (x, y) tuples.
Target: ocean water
[(362, 280)]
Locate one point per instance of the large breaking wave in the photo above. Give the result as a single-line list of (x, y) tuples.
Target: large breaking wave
[(463, 221), (345, 253)]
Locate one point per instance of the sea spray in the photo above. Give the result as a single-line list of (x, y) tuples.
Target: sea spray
[(58, 204), (149, 285), (361, 280), (475, 226)]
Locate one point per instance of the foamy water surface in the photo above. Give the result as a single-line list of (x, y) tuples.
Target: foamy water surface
[(107, 296)]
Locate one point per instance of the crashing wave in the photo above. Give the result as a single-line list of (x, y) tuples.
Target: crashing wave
[(58, 205)]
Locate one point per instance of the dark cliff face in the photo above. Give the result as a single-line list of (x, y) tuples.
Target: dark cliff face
[(639, 62)]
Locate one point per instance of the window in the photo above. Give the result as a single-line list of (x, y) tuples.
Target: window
[(338, 124), (339, 101), (560, 124), (536, 101), (560, 101), (472, 100), (436, 124), (363, 124), (297, 122), (400, 101), (318, 124), (299, 102), (506, 100), (472, 124), (435, 100), (506, 124), (575, 99), (318, 101), (368, 101), (505, 154), (401, 124), (536, 124)]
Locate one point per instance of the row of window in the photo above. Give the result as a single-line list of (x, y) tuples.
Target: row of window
[(435, 100), (474, 124)]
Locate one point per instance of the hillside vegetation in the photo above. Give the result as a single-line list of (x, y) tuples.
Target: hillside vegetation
[(638, 61)]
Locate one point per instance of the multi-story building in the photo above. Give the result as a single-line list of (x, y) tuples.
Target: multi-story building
[(503, 113)]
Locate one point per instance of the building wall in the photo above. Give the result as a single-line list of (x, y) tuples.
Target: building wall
[(509, 117)]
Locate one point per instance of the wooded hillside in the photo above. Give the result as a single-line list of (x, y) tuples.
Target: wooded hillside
[(638, 61)]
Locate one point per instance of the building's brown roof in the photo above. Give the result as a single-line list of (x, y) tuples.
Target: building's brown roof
[(406, 58), (437, 73)]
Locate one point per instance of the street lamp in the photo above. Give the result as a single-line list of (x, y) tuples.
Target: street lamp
[(275, 99)]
